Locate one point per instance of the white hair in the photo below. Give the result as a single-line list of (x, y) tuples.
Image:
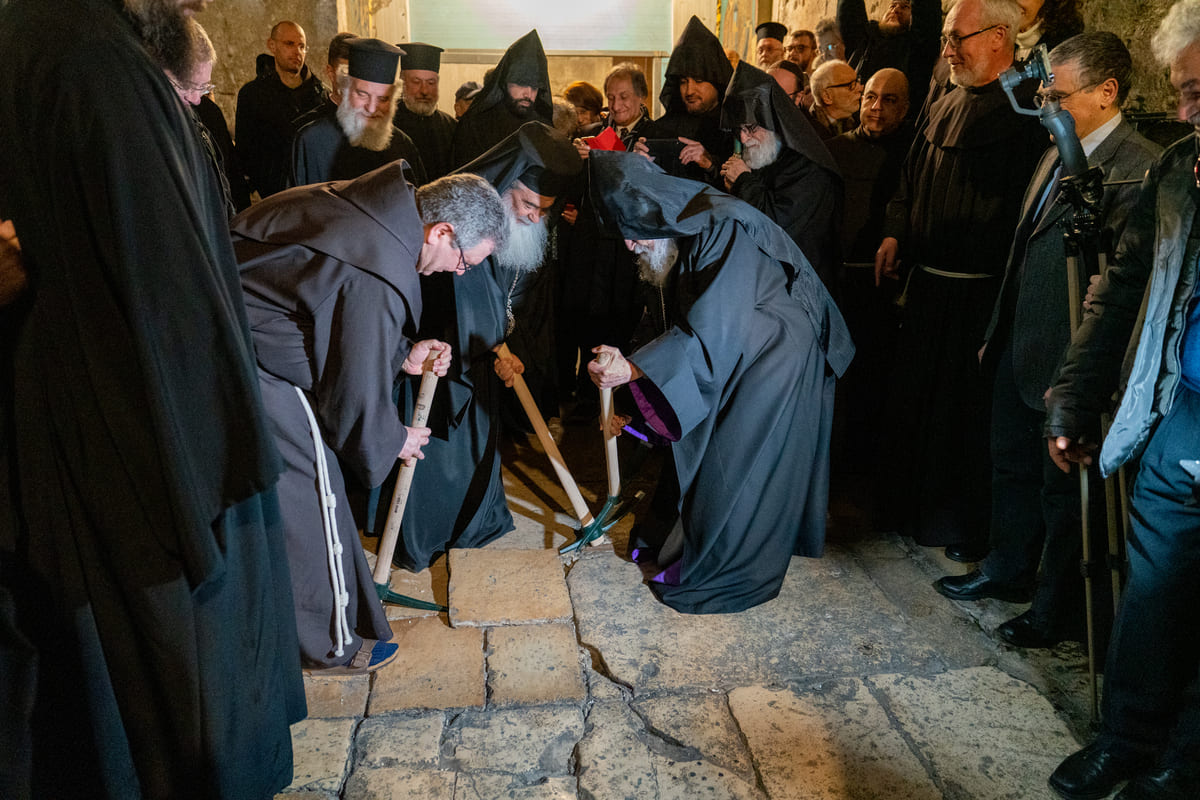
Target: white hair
[(1179, 28), (1001, 12)]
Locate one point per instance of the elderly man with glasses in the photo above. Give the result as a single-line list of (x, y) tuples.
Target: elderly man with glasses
[(952, 221), (836, 90)]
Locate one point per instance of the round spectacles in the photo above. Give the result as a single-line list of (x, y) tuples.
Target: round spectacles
[(955, 41)]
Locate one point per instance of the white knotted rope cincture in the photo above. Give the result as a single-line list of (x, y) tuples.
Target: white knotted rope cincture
[(333, 545)]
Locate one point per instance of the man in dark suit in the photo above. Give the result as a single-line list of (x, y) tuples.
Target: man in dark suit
[(1035, 507)]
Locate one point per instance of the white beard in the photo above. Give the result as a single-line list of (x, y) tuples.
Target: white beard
[(656, 260), (422, 108), (362, 131), (526, 246), (758, 156)]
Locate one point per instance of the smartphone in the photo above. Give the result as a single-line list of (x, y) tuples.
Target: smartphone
[(664, 150)]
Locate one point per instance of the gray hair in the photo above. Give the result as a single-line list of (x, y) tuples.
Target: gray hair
[(564, 116), (1001, 12), (823, 75), (200, 45), (1179, 28), (637, 78), (1100, 55), (467, 203)]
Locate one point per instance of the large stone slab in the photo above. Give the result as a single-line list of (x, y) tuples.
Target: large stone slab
[(320, 752), (701, 722), (835, 743), (392, 783), (829, 619), (336, 696), (688, 780), (507, 587), (534, 664), (534, 742), (438, 667), (395, 740), (985, 734), (487, 786), (431, 585), (613, 759)]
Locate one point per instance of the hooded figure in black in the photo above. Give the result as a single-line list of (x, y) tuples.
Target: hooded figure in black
[(800, 189), (331, 289), (698, 55), (457, 497), (495, 114), (147, 571), (741, 382)]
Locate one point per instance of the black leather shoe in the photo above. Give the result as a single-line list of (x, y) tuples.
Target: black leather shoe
[(966, 553), (1165, 783), (1095, 771), (976, 586), (1022, 631)]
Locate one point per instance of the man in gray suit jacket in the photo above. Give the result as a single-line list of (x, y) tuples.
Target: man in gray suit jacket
[(1035, 507)]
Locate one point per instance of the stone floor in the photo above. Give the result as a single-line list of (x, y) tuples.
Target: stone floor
[(563, 677)]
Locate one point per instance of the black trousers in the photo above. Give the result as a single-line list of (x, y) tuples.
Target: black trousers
[(1036, 516)]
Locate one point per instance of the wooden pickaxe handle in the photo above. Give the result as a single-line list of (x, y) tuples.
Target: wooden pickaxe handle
[(543, 434), (391, 530)]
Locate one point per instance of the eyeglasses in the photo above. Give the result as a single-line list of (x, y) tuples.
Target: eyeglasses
[(1044, 96), (955, 41), (750, 129), (849, 85), (463, 266), (206, 89)]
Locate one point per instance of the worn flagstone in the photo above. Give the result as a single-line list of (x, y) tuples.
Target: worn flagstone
[(984, 733), (534, 664), (614, 761), (703, 723), (507, 587), (437, 667), (534, 742), (336, 696), (488, 786), (320, 752), (394, 740), (394, 783), (830, 743), (829, 619)]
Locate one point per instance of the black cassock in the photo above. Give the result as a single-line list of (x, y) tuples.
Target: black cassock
[(321, 152), (457, 497), (150, 576), (434, 137), (741, 383), (332, 296), (954, 213)]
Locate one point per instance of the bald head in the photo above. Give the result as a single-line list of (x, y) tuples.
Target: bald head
[(884, 103), (289, 47)]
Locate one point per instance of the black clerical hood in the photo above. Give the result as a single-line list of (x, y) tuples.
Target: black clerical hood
[(755, 98), (635, 199), (524, 63), (370, 222), (698, 54), (535, 154)]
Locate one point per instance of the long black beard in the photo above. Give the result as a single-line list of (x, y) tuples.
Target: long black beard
[(163, 29)]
